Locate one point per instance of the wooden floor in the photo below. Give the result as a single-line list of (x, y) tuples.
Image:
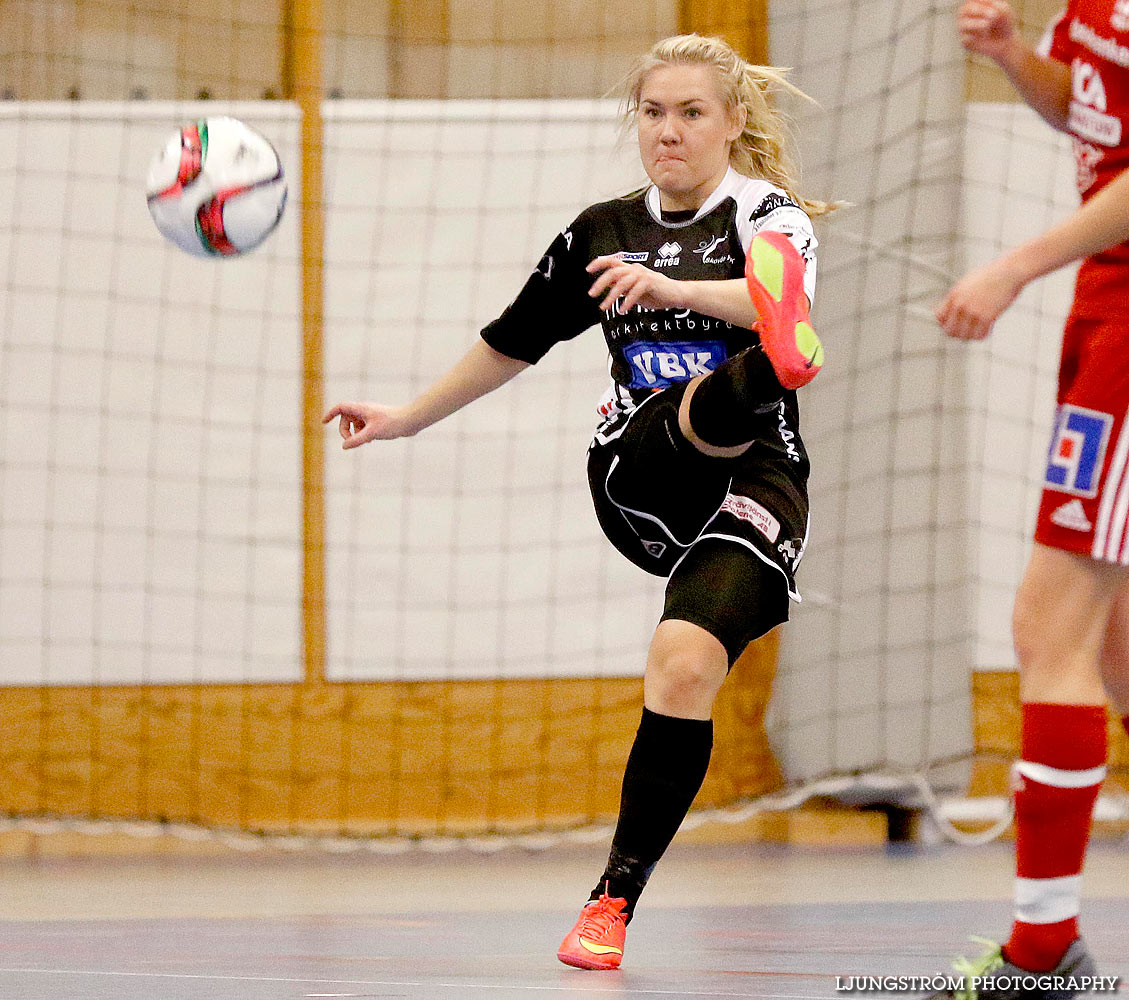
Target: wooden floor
[(721, 921)]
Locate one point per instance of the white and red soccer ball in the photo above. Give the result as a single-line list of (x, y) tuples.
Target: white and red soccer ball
[(217, 188)]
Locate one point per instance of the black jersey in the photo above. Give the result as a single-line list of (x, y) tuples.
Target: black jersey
[(653, 349)]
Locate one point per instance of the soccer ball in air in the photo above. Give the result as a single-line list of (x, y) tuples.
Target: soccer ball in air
[(216, 188)]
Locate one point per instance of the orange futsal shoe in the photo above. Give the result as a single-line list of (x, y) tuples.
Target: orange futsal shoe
[(596, 942), (774, 272)]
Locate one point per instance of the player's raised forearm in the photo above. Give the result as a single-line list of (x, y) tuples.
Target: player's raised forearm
[(726, 300), (1043, 83), (1101, 223), (480, 371), (989, 28)]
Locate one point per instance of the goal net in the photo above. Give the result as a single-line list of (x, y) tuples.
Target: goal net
[(206, 622)]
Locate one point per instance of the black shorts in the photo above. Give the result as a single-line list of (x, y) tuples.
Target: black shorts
[(656, 496)]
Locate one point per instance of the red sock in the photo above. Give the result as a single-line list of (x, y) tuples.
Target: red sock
[(1063, 755), (1125, 723)]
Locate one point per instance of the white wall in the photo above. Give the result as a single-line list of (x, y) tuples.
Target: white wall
[(149, 408), (149, 457), (928, 455), (470, 550), (150, 520), (875, 665), (1019, 179)]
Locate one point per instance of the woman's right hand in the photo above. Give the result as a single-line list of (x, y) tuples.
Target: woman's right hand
[(361, 423), (987, 27)]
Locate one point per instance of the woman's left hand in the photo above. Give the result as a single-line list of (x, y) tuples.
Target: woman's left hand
[(976, 301), (636, 284)]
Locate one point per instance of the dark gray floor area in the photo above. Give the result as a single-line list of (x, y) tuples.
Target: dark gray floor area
[(779, 951)]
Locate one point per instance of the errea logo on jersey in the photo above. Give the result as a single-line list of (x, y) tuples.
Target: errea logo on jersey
[(668, 255)]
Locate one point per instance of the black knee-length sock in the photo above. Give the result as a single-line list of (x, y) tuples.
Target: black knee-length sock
[(665, 769), (725, 404)]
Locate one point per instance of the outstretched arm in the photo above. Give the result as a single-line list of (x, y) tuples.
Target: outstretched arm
[(481, 370), (978, 299), (988, 27)]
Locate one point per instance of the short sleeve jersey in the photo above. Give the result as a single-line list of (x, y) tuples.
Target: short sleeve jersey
[(1092, 37), (650, 349)]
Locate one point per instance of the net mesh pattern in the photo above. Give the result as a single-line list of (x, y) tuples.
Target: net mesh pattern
[(484, 644)]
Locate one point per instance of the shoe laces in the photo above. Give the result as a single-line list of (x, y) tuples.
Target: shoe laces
[(598, 917), (975, 968)]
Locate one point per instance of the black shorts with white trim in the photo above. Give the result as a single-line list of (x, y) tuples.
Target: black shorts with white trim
[(656, 496)]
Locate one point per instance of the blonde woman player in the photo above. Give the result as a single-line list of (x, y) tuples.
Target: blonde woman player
[(697, 469), (1071, 619)]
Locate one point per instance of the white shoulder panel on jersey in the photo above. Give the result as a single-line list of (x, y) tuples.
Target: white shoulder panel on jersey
[(760, 206)]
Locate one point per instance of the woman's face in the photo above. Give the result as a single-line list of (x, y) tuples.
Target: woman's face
[(685, 132)]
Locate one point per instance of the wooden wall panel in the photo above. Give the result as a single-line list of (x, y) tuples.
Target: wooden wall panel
[(412, 759), (359, 758), (107, 49), (743, 24), (112, 49)]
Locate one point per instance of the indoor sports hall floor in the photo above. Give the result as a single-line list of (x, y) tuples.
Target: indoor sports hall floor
[(719, 921)]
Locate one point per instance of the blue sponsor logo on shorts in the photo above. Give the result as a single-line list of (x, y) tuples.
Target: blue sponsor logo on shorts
[(657, 365), (1078, 445)]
